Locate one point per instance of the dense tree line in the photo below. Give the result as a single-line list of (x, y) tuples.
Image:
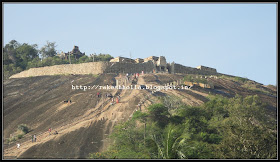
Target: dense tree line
[(222, 128), (18, 57)]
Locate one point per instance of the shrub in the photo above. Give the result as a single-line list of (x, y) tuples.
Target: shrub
[(12, 139), (239, 79), (23, 128), (19, 136)]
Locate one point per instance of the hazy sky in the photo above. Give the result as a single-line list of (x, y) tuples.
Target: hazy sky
[(237, 39)]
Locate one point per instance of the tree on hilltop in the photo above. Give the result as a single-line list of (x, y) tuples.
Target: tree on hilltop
[(9, 52), (48, 50)]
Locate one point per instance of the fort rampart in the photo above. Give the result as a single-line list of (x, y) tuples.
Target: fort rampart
[(178, 68), (107, 67), (117, 67), (83, 68)]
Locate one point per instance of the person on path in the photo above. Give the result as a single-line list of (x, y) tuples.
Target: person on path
[(18, 145), (119, 97), (34, 137), (112, 101), (50, 131), (139, 106)]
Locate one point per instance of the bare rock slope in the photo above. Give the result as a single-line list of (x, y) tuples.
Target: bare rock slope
[(84, 125)]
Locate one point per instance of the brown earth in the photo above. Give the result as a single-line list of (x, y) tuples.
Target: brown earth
[(84, 125)]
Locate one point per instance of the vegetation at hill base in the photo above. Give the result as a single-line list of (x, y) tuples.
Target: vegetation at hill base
[(18, 57), (222, 128)]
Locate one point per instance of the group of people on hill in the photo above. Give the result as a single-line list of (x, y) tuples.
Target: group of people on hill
[(68, 101), (55, 132), (117, 99), (109, 95), (131, 77), (34, 138)]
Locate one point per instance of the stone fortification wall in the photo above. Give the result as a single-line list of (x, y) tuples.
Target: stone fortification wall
[(205, 68), (107, 67), (118, 67), (83, 68), (178, 68)]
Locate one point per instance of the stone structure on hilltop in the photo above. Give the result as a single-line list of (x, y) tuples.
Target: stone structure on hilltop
[(205, 68), (161, 64), (116, 65), (151, 58), (75, 52), (139, 60), (122, 60)]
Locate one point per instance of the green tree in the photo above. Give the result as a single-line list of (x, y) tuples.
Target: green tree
[(9, 52), (36, 62), (103, 57), (143, 117), (170, 145), (48, 50), (128, 140), (84, 59), (159, 114), (26, 53), (246, 133)]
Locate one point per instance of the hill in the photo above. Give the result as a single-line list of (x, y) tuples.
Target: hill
[(84, 125)]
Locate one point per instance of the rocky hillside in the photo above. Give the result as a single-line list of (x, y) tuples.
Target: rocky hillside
[(84, 124)]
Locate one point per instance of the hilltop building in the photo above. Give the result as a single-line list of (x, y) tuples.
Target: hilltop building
[(161, 64), (75, 52)]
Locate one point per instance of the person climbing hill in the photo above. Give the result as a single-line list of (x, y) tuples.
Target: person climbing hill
[(50, 131)]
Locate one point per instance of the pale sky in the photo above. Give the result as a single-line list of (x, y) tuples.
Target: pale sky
[(235, 38)]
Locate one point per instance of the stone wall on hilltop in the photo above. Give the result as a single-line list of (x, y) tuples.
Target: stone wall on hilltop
[(118, 67), (108, 67), (178, 68), (83, 68)]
